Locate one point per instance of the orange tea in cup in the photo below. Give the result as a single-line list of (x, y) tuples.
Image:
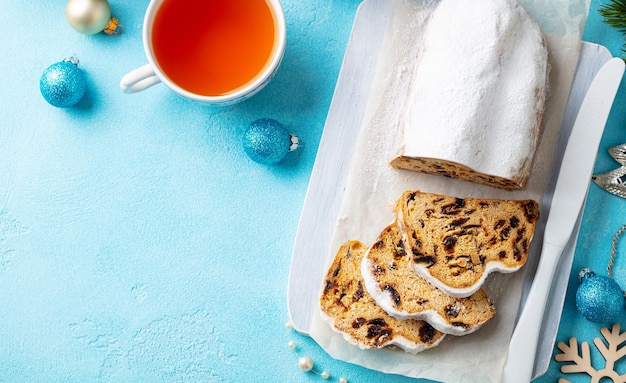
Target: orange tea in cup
[(213, 47)]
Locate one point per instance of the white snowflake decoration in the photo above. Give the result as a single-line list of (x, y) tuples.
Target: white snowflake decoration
[(611, 352)]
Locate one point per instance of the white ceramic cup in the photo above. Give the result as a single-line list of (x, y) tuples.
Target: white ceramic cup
[(151, 74)]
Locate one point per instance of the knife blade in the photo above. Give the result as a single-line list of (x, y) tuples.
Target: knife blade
[(569, 195)]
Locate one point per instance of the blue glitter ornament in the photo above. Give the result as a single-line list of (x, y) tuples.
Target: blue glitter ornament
[(266, 141), (63, 84), (599, 299)]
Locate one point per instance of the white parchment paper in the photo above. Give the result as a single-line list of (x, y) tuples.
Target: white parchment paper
[(373, 187)]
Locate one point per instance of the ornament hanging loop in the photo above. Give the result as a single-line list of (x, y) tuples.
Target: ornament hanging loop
[(72, 59), (113, 27), (296, 143), (609, 267)]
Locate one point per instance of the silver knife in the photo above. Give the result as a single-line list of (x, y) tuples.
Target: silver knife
[(569, 195)]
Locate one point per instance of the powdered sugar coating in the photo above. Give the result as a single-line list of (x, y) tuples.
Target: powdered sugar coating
[(478, 91)]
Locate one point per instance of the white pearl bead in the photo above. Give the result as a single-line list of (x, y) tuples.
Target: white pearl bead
[(343, 380), (291, 344), (88, 16), (289, 325), (305, 363), (325, 375)]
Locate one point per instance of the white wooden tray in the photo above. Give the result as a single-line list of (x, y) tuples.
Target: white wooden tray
[(327, 184)]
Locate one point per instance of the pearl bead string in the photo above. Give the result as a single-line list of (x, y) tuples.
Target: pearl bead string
[(305, 363)]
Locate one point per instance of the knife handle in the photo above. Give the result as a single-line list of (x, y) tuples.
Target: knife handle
[(523, 347)]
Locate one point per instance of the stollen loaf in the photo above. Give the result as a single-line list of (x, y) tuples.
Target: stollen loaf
[(477, 96)]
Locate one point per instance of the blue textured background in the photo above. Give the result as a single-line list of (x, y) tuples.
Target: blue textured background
[(138, 242)]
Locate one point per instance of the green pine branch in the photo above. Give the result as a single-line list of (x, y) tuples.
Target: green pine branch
[(614, 14)]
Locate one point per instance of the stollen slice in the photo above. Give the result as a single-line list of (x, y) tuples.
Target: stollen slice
[(455, 243), (391, 281), (349, 309)]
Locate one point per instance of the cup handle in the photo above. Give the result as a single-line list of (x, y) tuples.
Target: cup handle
[(139, 79)]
